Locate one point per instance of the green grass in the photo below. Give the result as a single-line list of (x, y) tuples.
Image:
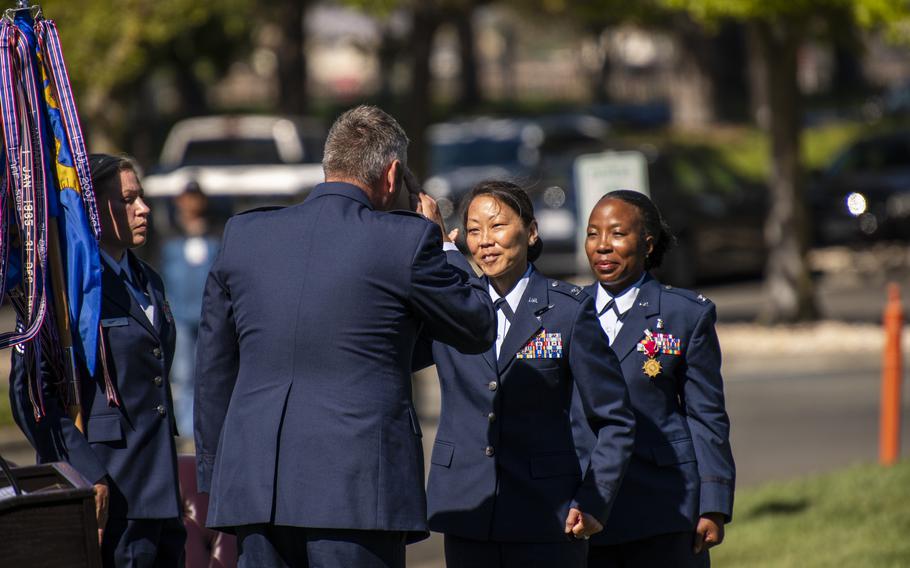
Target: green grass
[(855, 517)]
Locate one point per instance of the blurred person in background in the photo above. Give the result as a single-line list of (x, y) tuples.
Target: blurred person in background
[(506, 487), (185, 263), (678, 492), (127, 449)]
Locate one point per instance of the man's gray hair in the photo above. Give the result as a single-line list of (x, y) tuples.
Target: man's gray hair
[(361, 145)]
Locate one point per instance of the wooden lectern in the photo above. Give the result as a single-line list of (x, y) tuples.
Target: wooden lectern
[(47, 518)]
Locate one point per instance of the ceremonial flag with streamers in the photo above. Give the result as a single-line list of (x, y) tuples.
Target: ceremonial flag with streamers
[(45, 166)]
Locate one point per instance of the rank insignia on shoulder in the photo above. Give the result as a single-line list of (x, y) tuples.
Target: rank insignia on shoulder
[(575, 291), (542, 346), (701, 298)]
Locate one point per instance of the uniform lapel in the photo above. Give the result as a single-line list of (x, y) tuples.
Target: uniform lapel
[(114, 289), (527, 322), (162, 316), (490, 356), (646, 305)]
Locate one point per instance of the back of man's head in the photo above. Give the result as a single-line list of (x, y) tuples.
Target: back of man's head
[(361, 145)]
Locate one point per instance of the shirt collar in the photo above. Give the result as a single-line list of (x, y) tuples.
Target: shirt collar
[(119, 267), (513, 296), (341, 188), (624, 300)]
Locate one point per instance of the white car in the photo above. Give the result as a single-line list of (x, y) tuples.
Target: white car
[(253, 158)]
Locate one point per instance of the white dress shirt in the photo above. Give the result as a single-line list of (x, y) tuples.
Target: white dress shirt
[(123, 267), (513, 298), (609, 321)]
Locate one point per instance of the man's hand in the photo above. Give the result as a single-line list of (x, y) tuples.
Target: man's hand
[(412, 186), (582, 525), (426, 206), (709, 532), (102, 493)]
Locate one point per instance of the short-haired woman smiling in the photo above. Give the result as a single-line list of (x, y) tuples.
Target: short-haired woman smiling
[(506, 486)]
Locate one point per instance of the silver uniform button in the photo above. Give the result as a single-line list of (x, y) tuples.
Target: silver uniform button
[(162, 411), (491, 417), (158, 381), (488, 451), (493, 385)]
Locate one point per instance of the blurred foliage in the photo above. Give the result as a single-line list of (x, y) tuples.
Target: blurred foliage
[(386, 7), (890, 14), (109, 43), (855, 517), (745, 148), (594, 13)]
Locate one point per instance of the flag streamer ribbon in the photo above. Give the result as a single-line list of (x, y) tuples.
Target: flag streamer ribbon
[(48, 234)]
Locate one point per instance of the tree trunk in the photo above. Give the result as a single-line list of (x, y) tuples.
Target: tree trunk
[(419, 104), (790, 291), (758, 78), (691, 89), (469, 97), (730, 78), (389, 51), (292, 96)]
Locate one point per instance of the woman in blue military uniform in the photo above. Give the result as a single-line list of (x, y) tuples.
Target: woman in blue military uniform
[(505, 485), (678, 491), (127, 448)]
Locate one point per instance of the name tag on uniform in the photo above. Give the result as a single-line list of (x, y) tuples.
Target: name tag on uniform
[(115, 322), (542, 346)]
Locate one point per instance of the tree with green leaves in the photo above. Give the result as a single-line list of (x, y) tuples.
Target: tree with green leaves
[(779, 27), (426, 17), (113, 46)]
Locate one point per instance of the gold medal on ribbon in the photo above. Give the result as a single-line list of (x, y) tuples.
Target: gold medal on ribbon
[(651, 367)]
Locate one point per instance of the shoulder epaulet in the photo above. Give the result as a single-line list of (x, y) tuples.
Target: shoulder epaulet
[(690, 295), (406, 213), (262, 209), (570, 290)]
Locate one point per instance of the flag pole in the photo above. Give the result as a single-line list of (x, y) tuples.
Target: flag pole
[(61, 311), (64, 326), (61, 307)]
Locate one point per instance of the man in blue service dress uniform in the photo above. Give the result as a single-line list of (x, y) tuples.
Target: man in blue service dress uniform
[(128, 449), (306, 434)]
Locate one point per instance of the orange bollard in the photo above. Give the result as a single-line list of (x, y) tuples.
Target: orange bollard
[(890, 433)]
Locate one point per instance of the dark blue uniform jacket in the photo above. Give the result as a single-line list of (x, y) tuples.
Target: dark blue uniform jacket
[(682, 465), (131, 444), (303, 410), (504, 465)]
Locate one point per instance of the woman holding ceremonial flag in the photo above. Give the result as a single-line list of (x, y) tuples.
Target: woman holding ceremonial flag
[(127, 444)]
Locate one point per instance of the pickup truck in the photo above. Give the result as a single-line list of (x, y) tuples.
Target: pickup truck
[(249, 160)]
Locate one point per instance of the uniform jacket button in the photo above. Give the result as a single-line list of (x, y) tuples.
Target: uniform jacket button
[(488, 451), (162, 411), (158, 381), (491, 416), (157, 352), (493, 385)]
